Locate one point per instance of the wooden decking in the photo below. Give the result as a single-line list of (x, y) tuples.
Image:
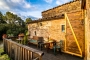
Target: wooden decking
[(51, 56)]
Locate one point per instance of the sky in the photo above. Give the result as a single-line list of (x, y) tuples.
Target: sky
[(29, 7)]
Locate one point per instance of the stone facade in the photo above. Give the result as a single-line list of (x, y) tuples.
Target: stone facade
[(68, 7), (48, 29)]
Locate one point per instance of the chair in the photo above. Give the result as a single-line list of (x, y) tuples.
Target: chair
[(40, 42), (57, 47)]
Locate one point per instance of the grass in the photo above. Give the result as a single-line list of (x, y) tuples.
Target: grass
[(4, 56)]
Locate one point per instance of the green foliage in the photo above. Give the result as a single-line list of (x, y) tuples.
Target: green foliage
[(13, 19), (9, 31), (5, 56), (1, 18), (25, 39), (3, 29), (11, 24), (28, 20), (15, 30)]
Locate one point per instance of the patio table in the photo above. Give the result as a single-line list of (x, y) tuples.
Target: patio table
[(45, 44)]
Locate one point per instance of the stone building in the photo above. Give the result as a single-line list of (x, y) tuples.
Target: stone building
[(64, 22)]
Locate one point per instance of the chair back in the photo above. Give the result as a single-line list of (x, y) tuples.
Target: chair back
[(35, 37), (59, 44), (40, 39)]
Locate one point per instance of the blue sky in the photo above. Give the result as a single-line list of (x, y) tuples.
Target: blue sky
[(29, 7)]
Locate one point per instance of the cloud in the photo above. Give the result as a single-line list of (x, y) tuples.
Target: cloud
[(22, 7), (60, 2), (48, 1), (36, 14), (14, 4), (19, 7), (20, 4), (27, 5), (3, 5), (16, 1)]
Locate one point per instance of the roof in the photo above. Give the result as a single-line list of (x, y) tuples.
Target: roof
[(61, 5), (49, 18)]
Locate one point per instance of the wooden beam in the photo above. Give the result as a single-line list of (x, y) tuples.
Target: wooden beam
[(65, 32)]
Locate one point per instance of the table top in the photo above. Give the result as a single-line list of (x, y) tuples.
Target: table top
[(48, 41), (19, 39)]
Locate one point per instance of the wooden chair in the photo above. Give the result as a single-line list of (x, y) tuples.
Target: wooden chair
[(57, 47)]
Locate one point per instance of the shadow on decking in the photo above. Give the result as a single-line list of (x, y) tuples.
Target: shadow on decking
[(51, 56)]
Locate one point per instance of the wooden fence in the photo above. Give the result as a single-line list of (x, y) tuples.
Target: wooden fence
[(18, 51)]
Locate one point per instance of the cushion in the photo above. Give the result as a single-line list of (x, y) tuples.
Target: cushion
[(33, 41)]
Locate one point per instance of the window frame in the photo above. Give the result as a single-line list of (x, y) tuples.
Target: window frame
[(63, 28)]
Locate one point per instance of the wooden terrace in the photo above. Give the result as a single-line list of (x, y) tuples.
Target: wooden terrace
[(50, 55), (22, 52)]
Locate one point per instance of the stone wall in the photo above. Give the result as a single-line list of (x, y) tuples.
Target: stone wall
[(68, 7), (48, 29), (41, 29), (56, 29)]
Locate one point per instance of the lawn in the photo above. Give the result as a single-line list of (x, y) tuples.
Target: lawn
[(4, 56)]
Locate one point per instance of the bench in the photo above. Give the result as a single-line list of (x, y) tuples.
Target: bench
[(35, 40)]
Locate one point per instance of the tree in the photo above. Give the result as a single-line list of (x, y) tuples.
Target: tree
[(4, 18), (11, 18), (8, 16), (14, 19), (1, 18), (19, 21), (3, 29), (28, 20), (14, 25)]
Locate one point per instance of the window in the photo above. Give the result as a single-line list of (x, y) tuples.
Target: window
[(40, 24), (63, 28), (35, 32)]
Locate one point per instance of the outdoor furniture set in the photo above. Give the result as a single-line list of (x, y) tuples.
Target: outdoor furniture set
[(49, 44)]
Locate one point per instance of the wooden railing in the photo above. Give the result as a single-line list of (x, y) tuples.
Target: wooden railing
[(18, 51)]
